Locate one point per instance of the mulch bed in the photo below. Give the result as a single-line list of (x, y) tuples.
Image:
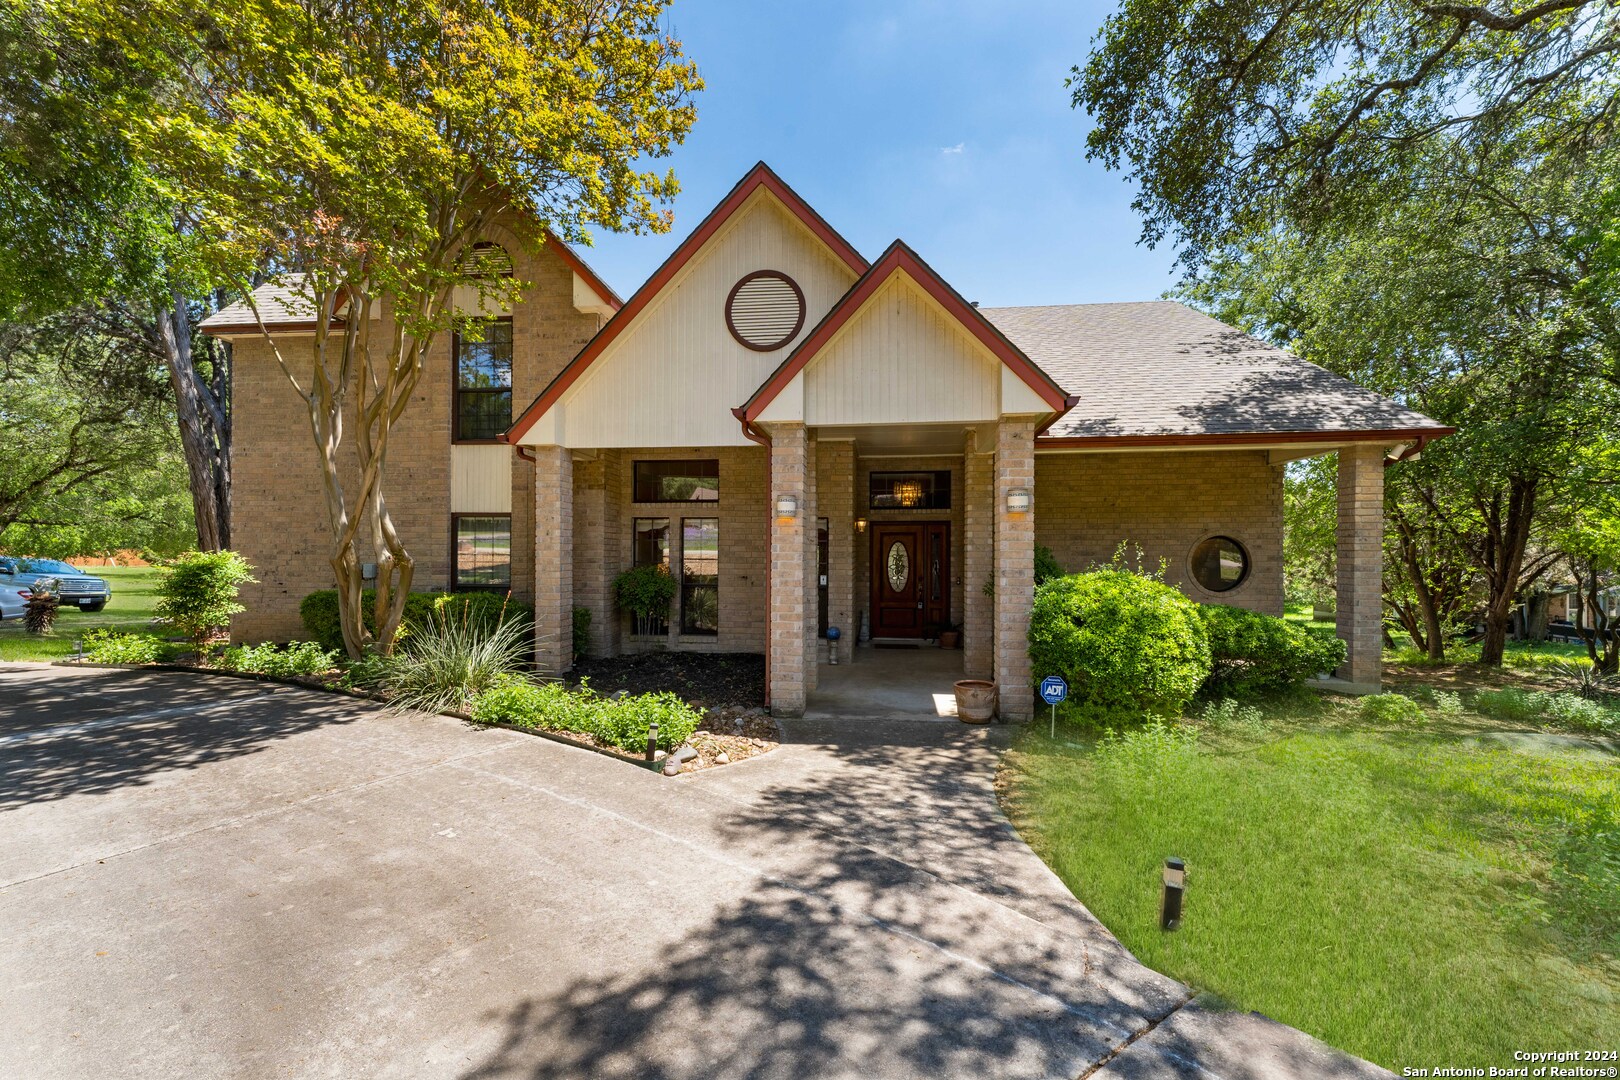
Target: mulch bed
[(706, 680)]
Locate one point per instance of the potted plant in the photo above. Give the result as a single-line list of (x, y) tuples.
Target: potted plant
[(950, 636), (646, 593)]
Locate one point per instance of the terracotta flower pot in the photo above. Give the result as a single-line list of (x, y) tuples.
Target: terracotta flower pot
[(949, 639), (975, 701)]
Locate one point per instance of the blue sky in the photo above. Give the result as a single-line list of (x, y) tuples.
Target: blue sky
[(943, 123)]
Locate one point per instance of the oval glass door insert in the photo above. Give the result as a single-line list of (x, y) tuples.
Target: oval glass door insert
[(899, 563)]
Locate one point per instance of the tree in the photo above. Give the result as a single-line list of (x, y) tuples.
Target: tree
[(84, 227), (90, 442), (1459, 300), (1230, 115), (362, 147)]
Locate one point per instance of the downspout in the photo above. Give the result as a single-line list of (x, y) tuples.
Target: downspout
[(1068, 403), (754, 434)]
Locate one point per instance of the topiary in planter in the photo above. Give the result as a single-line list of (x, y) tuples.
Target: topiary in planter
[(646, 593), (1123, 641)]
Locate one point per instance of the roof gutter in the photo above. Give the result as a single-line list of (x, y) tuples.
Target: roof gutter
[(1255, 438)]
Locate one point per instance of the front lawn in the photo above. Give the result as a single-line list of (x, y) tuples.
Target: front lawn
[(130, 610), (1412, 893)]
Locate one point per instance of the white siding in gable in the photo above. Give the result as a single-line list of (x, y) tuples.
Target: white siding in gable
[(673, 378), (901, 359)]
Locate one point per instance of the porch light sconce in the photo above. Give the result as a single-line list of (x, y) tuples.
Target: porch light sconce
[(1018, 501), (787, 506), (860, 524)]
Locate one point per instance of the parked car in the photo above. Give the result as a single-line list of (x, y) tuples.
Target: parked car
[(13, 601), (83, 591)]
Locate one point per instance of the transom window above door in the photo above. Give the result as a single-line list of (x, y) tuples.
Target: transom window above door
[(483, 357), (910, 490)]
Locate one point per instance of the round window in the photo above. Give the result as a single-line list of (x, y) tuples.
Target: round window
[(1220, 564), (765, 310)]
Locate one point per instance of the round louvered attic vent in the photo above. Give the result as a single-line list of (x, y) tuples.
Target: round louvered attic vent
[(765, 310)]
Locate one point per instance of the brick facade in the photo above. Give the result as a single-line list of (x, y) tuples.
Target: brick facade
[(1166, 502), (553, 559), (788, 558), (278, 509), (1014, 569), (977, 554)]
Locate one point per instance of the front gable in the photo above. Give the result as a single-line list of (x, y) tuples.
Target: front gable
[(684, 350), (903, 348)]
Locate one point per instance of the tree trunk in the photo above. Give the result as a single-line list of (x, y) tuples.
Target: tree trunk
[(204, 425), (1507, 537)]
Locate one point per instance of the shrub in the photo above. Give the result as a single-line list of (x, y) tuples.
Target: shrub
[(1392, 709), (197, 594), (582, 631), (449, 661), (39, 614), (297, 658), (646, 593), (1122, 640), (111, 647), (319, 612), (1046, 565), (622, 722), (1578, 712), (1448, 703), (1251, 653), (1510, 703)]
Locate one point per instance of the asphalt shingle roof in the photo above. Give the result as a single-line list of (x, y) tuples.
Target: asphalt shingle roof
[(280, 304), (1162, 368)]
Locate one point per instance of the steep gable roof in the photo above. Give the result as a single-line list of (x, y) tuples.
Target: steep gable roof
[(759, 177), (900, 259)]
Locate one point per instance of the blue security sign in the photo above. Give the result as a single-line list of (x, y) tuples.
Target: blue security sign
[(1054, 689)]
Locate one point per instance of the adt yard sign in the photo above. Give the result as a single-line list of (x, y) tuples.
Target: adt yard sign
[(1054, 690)]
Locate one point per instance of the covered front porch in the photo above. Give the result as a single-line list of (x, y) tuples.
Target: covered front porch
[(887, 682)]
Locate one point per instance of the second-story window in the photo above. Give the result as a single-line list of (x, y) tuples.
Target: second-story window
[(483, 355)]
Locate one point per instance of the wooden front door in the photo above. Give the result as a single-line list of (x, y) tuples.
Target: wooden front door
[(911, 573)]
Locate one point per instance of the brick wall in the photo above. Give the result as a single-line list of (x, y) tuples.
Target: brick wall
[(279, 511), (741, 511), (1086, 504)]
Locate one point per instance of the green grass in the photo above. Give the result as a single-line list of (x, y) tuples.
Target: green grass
[(1411, 894), (130, 609)]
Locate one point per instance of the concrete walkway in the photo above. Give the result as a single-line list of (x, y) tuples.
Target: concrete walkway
[(209, 877)]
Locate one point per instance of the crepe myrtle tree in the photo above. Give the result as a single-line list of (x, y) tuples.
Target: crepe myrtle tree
[(361, 147)]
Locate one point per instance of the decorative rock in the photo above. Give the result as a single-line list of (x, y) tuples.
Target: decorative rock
[(683, 755), (672, 770), (722, 758)]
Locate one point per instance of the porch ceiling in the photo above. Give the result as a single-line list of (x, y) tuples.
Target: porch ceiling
[(908, 440)]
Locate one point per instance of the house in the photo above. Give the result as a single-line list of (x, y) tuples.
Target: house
[(809, 438)]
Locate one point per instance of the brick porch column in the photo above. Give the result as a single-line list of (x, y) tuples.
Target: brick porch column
[(835, 501), (553, 558), (978, 558), (1015, 567), (1361, 562), (789, 573)]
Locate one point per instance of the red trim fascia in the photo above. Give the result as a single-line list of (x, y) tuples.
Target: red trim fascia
[(1124, 442), (582, 268), (307, 326), (899, 258), (760, 176)]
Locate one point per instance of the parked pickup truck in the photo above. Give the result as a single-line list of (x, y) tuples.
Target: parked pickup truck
[(83, 591)]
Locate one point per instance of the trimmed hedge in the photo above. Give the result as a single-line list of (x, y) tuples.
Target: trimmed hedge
[(1122, 640), (319, 612), (1252, 653), (622, 722)]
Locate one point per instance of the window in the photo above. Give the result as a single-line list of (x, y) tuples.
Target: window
[(652, 549), (1220, 563), (481, 556), (700, 575), (678, 481), (909, 490), (483, 381)]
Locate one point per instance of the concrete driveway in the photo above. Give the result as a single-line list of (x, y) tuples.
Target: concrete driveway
[(212, 877)]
